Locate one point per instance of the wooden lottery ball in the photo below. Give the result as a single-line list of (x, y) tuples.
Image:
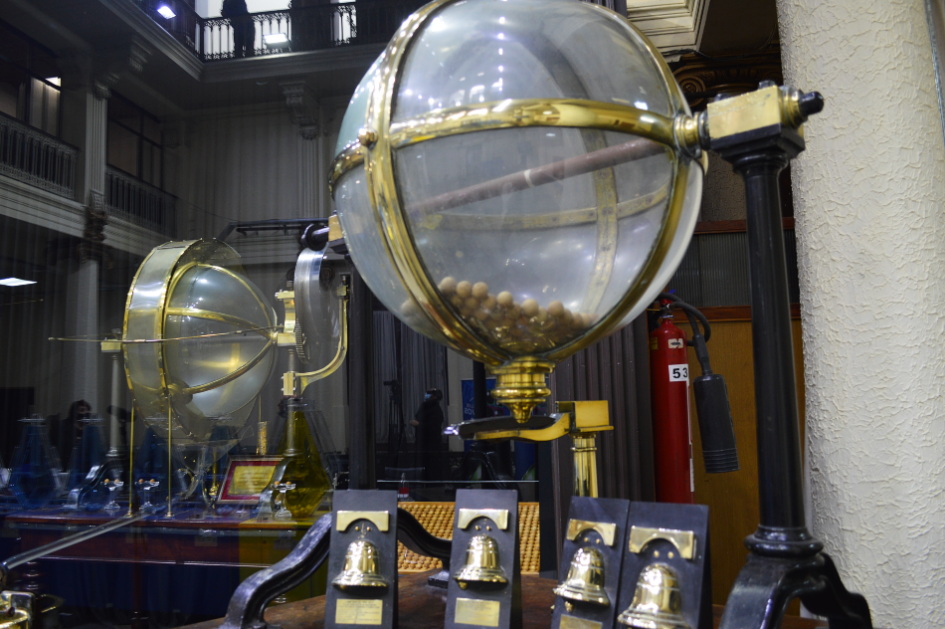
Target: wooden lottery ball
[(472, 302), (457, 301), (409, 309), (482, 315), (489, 302), (542, 315), (464, 289), (530, 307), (556, 309), (505, 299), (448, 286), (480, 290)]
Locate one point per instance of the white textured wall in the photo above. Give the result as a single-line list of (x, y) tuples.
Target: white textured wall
[(868, 199)]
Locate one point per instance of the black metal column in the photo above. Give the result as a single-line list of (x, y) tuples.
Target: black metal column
[(786, 562), (783, 529)]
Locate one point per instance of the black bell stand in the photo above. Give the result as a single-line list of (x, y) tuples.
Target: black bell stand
[(786, 562)]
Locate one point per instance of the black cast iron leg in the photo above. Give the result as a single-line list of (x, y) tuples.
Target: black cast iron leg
[(766, 585), (248, 604), (411, 534), (845, 609), (786, 561)]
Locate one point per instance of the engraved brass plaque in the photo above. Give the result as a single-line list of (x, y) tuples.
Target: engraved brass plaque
[(356, 611), (470, 611), (572, 622), (499, 516), (379, 518)]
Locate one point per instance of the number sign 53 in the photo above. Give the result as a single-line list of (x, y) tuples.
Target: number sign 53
[(679, 373)]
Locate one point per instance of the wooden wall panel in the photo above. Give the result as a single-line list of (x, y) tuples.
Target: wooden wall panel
[(733, 497)]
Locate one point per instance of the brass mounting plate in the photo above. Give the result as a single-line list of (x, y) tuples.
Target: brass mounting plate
[(684, 541), (344, 519), (607, 530), (499, 516)]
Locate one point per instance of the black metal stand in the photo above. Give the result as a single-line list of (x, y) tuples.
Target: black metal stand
[(786, 561)]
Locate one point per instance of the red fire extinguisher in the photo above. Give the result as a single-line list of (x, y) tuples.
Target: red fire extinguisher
[(672, 434)]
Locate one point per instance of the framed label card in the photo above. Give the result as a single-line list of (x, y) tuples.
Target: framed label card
[(362, 562), (591, 561), (484, 588), (667, 553), (246, 477)]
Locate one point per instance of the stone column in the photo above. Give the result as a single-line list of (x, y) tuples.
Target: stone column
[(868, 196), (85, 123), (87, 82)]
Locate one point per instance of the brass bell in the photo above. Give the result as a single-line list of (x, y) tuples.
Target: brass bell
[(360, 569), (482, 563), (585, 582), (657, 603)]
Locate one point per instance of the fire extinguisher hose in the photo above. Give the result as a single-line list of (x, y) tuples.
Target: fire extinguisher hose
[(712, 406)]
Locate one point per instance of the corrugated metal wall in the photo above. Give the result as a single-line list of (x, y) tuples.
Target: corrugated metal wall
[(714, 271)]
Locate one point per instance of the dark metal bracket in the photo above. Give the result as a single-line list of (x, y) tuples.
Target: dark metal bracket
[(249, 601), (248, 604)]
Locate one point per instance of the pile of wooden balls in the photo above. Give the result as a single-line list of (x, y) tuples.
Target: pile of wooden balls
[(520, 327)]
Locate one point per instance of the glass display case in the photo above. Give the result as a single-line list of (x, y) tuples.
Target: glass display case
[(227, 296)]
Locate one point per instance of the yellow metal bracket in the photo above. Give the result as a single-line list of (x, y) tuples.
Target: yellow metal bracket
[(578, 419), (293, 379), (755, 110), (286, 338)]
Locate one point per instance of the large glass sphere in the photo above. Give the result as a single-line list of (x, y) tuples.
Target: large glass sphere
[(510, 183), (198, 337)]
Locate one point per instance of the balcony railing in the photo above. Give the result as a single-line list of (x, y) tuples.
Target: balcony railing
[(304, 27), (29, 155), (135, 201)]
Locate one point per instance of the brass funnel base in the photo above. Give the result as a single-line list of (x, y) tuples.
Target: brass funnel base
[(520, 386)]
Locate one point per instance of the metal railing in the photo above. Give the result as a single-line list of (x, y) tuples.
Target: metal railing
[(34, 157), (305, 28), (138, 202)]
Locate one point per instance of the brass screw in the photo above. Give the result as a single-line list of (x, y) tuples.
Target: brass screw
[(367, 137)]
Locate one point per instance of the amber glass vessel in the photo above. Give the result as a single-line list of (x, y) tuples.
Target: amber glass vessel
[(302, 467)]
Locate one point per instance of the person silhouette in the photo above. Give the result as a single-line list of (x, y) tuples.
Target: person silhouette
[(244, 31), (428, 422)]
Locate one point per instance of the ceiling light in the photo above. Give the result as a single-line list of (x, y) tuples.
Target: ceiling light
[(166, 12), (15, 281), (276, 40)]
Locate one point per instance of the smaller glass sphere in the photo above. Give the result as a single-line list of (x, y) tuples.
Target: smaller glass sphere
[(217, 331)]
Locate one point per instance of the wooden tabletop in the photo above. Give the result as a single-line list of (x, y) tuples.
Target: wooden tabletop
[(423, 607)]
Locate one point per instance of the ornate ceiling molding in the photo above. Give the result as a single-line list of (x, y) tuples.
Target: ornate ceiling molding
[(703, 79), (102, 69), (303, 105), (670, 24)]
